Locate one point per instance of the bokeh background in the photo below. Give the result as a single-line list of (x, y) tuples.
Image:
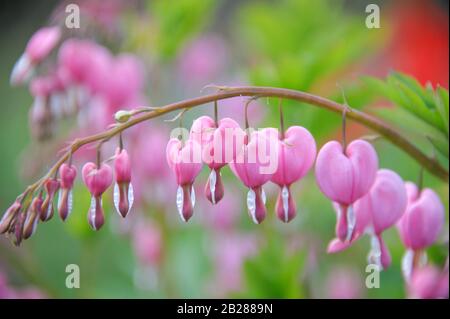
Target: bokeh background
[(315, 46)]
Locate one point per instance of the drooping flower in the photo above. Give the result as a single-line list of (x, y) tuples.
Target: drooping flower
[(123, 189), (254, 165), (428, 282), (38, 48), (67, 173), (32, 218), (185, 162), (9, 216), (386, 203), (97, 181), (375, 212), (420, 225), (51, 186), (296, 154), (219, 143), (344, 176)]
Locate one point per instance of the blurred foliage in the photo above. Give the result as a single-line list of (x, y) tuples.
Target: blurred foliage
[(308, 46), (298, 44), (421, 111)]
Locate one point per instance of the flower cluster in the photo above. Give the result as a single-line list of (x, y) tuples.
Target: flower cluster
[(84, 78), (22, 217), (367, 200), (254, 157)]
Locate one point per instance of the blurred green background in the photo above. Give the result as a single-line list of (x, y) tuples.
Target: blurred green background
[(314, 46)]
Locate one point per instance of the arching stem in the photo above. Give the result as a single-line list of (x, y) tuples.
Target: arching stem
[(371, 122)]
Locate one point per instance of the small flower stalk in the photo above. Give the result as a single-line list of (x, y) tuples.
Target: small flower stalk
[(123, 189), (67, 173), (51, 186), (97, 180)]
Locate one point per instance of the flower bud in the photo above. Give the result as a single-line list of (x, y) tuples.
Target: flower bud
[(32, 218), (9, 216), (68, 175), (122, 116), (51, 186), (123, 190), (97, 181)]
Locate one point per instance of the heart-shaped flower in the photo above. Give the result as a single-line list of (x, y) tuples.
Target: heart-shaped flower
[(255, 163), (97, 181), (219, 143), (375, 212), (344, 176), (420, 225), (185, 162), (38, 48), (123, 189), (51, 187), (296, 155), (67, 174)]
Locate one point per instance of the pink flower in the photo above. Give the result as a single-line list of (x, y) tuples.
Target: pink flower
[(9, 216), (386, 203), (185, 162), (428, 283), (296, 154), (85, 63), (219, 143), (124, 82), (344, 283), (203, 60), (123, 190), (377, 211), (229, 254), (147, 243), (38, 48), (32, 218), (51, 187), (97, 181), (254, 165), (67, 173), (344, 176), (420, 225)]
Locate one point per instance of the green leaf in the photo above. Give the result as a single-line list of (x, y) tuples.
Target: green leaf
[(440, 144), (441, 98)]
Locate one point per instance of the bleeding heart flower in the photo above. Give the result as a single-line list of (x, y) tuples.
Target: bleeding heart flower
[(420, 225), (428, 282), (344, 176), (51, 187), (255, 163), (97, 181), (380, 209), (185, 162), (67, 173), (32, 218), (219, 144), (296, 154), (38, 48), (362, 221), (9, 216), (123, 190)]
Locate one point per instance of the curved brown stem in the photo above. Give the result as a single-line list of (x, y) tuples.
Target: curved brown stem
[(384, 129)]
